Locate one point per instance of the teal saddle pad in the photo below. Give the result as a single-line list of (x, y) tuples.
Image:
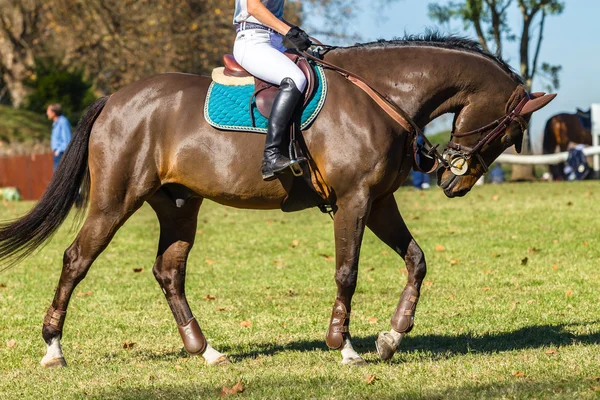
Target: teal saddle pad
[(227, 107)]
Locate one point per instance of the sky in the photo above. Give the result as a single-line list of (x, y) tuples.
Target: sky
[(572, 40)]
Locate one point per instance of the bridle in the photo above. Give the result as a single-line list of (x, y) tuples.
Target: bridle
[(454, 157), (458, 156)]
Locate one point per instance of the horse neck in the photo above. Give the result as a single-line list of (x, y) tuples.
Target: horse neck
[(427, 81)]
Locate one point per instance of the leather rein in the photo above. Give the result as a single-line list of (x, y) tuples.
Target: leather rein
[(455, 156)]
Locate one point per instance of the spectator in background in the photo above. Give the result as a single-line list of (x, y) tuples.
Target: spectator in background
[(61, 132), (497, 174), (420, 179)]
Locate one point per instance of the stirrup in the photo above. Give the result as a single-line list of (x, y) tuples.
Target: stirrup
[(296, 166)]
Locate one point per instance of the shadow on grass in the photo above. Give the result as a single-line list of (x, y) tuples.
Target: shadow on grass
[(336, 386), (442, 346)]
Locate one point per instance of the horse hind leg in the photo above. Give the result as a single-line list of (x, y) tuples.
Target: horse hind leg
[(105, 217), (178, 222)]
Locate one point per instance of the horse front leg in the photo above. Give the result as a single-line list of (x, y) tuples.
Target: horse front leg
[(385, 221), (349, 226)]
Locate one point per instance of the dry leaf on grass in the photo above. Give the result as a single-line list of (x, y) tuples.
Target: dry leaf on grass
[(568, 293), (385, 253), (295, 243), (439, 248), (127, 345), (2, 285), (291, 292), (530, 301), (138, 270), (370, 379), (232, 391), (454, 262), (486, 289), (209, 297), (524, 261), (554, 267), (495, 197), (372, 320), (209, 261), (533, 250), (84, 294), (327, 257), (370, 269), (585, 244), (551, 351), (555, 241), (178, 367), (11, 343), (518, 374), (428, 283), (221, 309), (246, 324)]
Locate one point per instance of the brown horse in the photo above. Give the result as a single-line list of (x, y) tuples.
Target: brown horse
[(563, 129), (150, 143)]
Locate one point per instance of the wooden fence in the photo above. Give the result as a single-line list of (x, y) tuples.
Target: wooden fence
[(29, 173)]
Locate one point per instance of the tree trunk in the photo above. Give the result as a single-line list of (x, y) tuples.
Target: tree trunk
[(18, 91), (524, 173), (17, 21)]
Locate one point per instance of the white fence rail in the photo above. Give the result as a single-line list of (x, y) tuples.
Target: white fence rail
[(545, 159)]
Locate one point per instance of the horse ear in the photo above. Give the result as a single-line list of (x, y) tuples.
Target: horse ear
[(538, 101)]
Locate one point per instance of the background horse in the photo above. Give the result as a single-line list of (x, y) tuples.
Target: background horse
[(563, 129), (149, 142)]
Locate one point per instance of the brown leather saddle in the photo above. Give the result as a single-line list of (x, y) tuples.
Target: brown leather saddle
[(265, 92)]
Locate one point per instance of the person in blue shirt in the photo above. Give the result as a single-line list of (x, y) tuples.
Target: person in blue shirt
[(61, 132)]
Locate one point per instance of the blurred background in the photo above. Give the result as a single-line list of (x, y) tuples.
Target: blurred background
[(74, 51)]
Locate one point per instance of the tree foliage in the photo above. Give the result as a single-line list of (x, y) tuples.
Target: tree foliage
[(489, 20), (116, 42)]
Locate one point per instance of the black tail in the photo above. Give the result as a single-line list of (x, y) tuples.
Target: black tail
[(19, 238), (549, 140)]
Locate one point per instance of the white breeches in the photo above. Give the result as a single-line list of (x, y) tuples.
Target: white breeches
[(260, 53)]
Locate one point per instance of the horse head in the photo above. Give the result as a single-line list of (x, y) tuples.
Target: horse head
[(471, 152)]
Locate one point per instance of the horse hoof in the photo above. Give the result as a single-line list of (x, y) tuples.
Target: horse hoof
[(223, 360), (385, 346), (54, 363), (357, 361)]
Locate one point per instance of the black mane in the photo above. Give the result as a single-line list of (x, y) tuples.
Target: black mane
[(436, 39)]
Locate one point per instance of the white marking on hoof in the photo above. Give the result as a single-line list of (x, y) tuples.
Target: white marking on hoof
[(350, 356), (54, 357), (387, 343), (213, 357)]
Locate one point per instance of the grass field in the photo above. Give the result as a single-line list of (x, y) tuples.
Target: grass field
[(509, 308)]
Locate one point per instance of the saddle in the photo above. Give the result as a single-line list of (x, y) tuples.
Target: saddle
[(265, 92)]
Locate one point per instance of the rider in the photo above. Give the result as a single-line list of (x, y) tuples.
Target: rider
[(258, 49)]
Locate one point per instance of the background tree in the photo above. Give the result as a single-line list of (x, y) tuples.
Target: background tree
[(489, 19), (19, 20)]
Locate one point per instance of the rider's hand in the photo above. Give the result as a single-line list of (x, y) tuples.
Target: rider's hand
[(299, 38)]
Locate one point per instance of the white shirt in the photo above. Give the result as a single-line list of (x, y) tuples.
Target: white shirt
[(242, 15)]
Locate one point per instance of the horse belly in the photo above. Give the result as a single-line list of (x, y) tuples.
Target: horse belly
[(225, 167)]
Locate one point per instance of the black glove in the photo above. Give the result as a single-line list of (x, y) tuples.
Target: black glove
[(299, 38)]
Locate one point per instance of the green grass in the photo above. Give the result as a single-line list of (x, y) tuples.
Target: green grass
[(488, 324), (21, 126)]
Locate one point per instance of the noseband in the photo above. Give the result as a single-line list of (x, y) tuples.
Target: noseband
[(457, 156)]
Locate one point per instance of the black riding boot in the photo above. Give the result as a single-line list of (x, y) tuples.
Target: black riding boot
[(283, 110)]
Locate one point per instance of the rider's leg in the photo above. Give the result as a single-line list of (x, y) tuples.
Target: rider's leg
[(260, 53)]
